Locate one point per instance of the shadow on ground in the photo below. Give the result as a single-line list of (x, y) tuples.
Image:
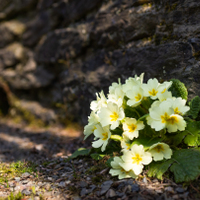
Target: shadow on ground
[(25, 143), (73, 179)]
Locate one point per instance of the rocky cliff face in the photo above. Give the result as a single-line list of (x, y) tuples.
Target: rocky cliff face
[(61, 52)]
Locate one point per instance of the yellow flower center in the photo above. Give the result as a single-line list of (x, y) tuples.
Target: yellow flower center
[(137, 159), (128, 146), (138, 97), (114, 116), (159, 148), (172, 120), (132, 127), (105, 136), (94, 128), (176, 110), (163, 90), (153, 92), (124, 172), (165, 118)]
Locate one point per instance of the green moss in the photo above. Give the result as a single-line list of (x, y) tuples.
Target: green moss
[(95, 170), (74, 189), (15, 169), (12, 196), (29, 118), (196, 54), (97, 179), (46, 163), (172, 7), (147, 5)]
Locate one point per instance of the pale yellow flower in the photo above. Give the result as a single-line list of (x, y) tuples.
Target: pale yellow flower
[(111, 115), (159, 151), (135, 159), (162, 116), (131, 127), (99, 103), (125, 143), (103, 135), (118, 170), (135, 96), (178, 104), (133, 82), (154, 89), (116, 97), (93, 120)]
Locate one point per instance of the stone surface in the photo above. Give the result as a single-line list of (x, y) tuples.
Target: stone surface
[(62, 52), (11, 7), (61, 45)]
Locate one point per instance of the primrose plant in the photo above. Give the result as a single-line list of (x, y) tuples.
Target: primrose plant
[(146, 126)]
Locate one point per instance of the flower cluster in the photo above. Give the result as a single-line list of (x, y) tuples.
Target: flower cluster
[(132, 113)]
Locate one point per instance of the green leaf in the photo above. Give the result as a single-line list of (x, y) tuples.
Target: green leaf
[(157, 169), (97, 156), (193, 130), (175, 139), (187, 165), (108, 162), (194, 107), (178, 89), (131, 112), (112, 146), (150, 132), (117, 131), (80, 152), (145, 141)]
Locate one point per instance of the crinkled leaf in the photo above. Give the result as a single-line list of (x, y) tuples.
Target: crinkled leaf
[(97, 156), (187, 165), (194, 107), (157, 169), (178, 89), (193, 130), (80, 152), (192, 140)]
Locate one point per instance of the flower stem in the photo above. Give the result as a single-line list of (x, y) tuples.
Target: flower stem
[(116, 137), (144, 116)]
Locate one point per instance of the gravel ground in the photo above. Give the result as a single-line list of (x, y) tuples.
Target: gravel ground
[(57, 177)]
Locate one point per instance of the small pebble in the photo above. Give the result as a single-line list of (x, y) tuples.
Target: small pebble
[(169, 189), (25, 181), (176, 196), (25, 175), (50, 178), (17, 179), (88, 179), (135, 188), (67, 182), (111, 193), (62, 184), (180, 190), (159, 191), (76, 197), (105, 187), (84, 191), (26, 192), (47, 186), (83, 184), (145, 180)]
